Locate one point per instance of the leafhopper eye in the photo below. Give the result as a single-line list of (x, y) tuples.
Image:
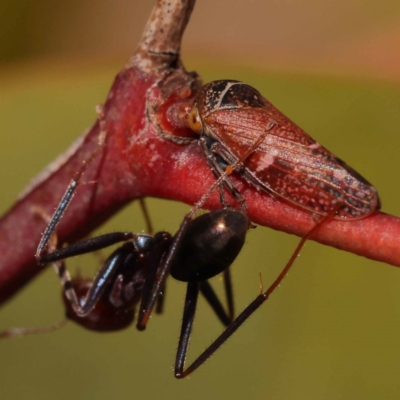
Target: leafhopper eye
[(195, 121)]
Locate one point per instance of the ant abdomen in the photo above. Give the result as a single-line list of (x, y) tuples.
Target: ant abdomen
[(210, 245)]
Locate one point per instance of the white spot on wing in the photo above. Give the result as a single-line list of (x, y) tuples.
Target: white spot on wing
[(264, 162), (339, 174)]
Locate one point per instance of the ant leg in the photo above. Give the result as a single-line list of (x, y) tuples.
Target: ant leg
[(222, 178), (243, 316), (229, 331), (231, 162), (208, 292), (86, 246), (229, 293), (222, 200), (150, 230), (189, 311), (105, 275), (155, 278), (161, 299), (149, 299), (146, 215), (102, 278), (59, 212), (219, 171), (68, 195)]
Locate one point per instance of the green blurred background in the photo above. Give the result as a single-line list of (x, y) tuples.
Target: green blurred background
[(333, 328)]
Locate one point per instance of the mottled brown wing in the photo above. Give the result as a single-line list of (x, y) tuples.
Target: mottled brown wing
[(291, 164)]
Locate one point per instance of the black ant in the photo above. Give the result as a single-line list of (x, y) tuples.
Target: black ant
[(136, 272), (208, 245)]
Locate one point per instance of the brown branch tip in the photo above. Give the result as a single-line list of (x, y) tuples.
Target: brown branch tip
[(153, 94)]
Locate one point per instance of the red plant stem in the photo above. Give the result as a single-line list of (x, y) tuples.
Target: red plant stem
[(135, 162)]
